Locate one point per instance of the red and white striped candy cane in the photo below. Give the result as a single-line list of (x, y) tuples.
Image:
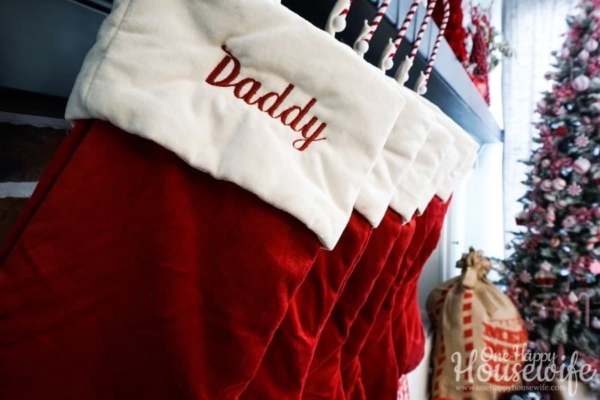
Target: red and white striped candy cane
[(422, 29), (362, 43), (587, 307), (560, 355), (402, 74), (387, 58), (337, 18), (424, 79), (347, 9)]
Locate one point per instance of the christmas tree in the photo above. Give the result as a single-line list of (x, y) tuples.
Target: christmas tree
[(553, 274)]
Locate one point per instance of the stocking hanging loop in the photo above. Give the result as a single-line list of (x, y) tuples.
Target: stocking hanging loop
[(387, 58), (406, 65), (337, 18), (361, 45), (421, 86)]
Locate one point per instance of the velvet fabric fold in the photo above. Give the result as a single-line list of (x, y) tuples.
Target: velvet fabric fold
[(283, 370), (379, 372), (396, 343), (324, 378), (132, 275), (409, 337), (361, 328)]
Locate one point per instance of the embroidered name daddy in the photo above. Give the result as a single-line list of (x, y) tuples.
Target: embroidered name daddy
[(248, 90)]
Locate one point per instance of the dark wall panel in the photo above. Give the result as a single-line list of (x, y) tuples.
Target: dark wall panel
[(43, 43)]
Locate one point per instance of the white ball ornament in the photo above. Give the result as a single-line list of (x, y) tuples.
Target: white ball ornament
[(582, 165), (339, 23), (559, 184), (573, 298), (388, 64), (591, 45), (362, 47), (581, 83), (546, 185)]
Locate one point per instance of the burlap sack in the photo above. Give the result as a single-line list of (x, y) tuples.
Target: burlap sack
[(480, 337)]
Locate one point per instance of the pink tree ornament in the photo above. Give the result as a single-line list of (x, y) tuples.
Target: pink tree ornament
[(595, 267)]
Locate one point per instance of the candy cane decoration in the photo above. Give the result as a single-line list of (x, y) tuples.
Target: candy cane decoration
[(560, 355), (424, 25), (587, 307), (361, 46), (402, 74), (387, 58), (337, 18), (421, 86)]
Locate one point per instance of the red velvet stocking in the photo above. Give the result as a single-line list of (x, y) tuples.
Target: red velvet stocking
[(367, 316), (131, 275), (353, 374), (409, 337), (380, 375), (283, 370), (324, 379), (379, 378)]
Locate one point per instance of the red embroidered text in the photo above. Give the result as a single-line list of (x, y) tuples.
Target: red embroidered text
[(247, 89)]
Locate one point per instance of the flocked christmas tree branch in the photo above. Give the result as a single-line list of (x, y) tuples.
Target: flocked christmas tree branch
[(554, 271)]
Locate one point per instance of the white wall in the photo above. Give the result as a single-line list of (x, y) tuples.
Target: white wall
[(484, 220), (418, 380), (475, 219)]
